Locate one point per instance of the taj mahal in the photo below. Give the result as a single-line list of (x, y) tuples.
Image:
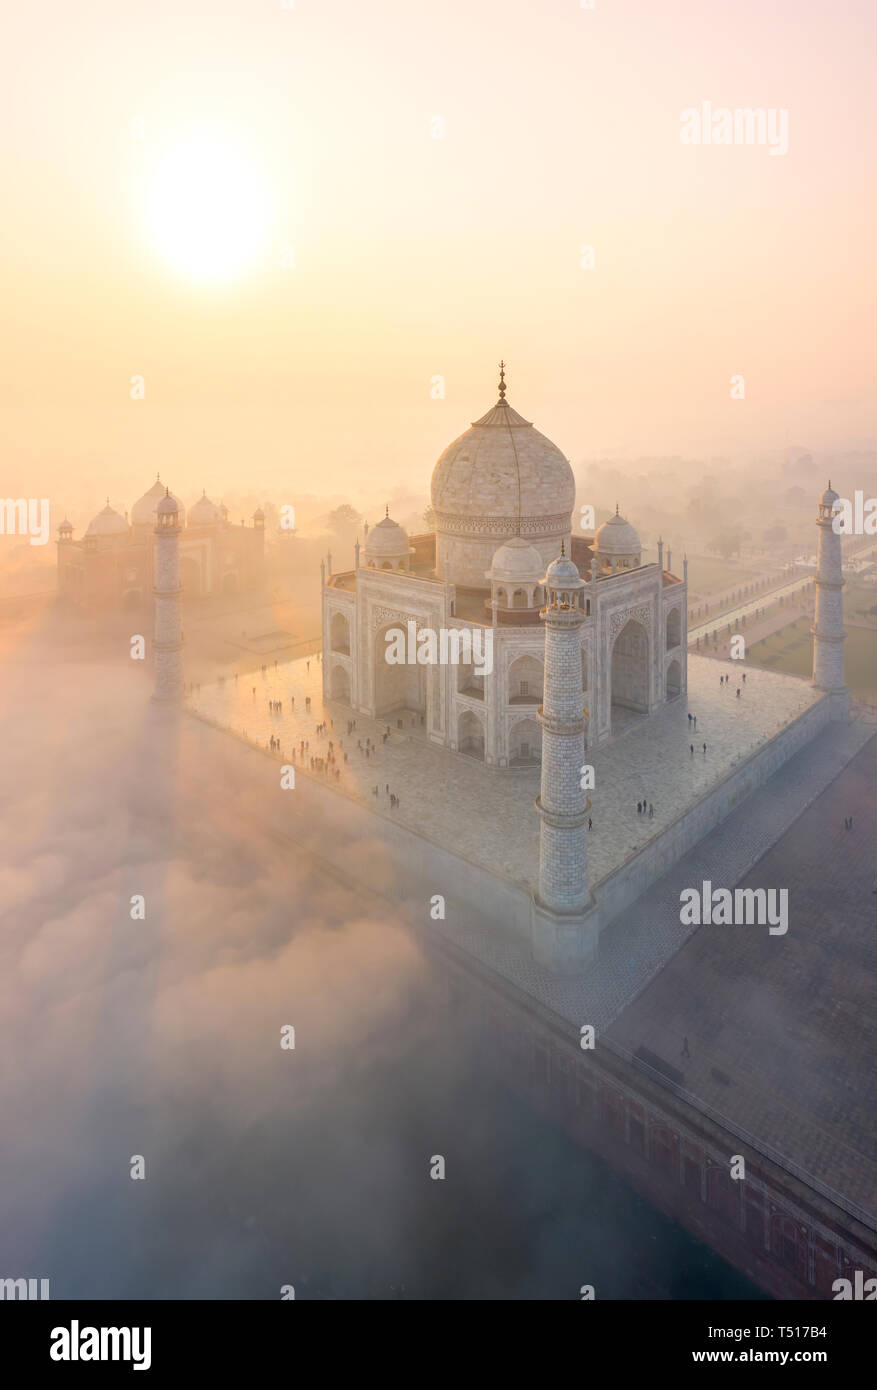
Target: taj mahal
[(539, 818), (503, 499), (539, 796)]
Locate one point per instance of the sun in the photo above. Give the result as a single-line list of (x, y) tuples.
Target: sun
[(207, 208)]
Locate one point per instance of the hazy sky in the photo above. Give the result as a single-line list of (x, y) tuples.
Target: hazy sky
[(417, 257)]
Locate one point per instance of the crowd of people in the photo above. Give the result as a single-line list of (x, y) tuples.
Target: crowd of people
[(329, 761)]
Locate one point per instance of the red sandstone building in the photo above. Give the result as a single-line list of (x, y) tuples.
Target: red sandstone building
[(111, 567)]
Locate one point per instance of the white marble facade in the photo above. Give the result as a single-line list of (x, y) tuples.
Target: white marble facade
[(503, 497)]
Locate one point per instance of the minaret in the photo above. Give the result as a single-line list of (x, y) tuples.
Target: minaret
[(168, 643), (828, 623), (565, 924)]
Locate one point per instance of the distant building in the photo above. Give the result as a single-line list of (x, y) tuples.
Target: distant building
[(113, 565)]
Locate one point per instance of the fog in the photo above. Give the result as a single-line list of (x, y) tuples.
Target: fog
[(161, 1038)]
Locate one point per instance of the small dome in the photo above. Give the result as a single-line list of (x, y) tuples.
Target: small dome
[(143, 511), (829, 497), (204, 512), (617, 537), (387, 541), (107, 523), (168, 506), (258, 514), (516, 560), (562, 574)]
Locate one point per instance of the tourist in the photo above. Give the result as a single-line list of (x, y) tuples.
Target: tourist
[(685, 1051), (704, 750), (692, 750), (695, 723), (639, 808), (590, 823), (689, 719), (651, 811), (738, 692)]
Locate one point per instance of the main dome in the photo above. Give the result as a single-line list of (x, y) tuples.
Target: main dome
[(501, 478), (143, 511)]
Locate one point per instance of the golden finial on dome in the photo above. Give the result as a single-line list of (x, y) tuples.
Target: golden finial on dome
[(502, 381), (616, 508)]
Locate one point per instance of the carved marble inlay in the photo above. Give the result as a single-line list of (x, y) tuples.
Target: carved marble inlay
[(502, 525), (380, 615), (642, 614)]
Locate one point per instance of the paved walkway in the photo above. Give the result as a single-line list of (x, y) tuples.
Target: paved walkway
[(641, 940), (762, 627), (751, 605), (487, 815)]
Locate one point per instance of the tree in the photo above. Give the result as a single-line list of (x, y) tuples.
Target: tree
[(775, 535), (429, 518), (344, 518), (726, 544)]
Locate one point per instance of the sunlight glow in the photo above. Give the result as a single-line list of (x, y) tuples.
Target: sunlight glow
[(207, 209)]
